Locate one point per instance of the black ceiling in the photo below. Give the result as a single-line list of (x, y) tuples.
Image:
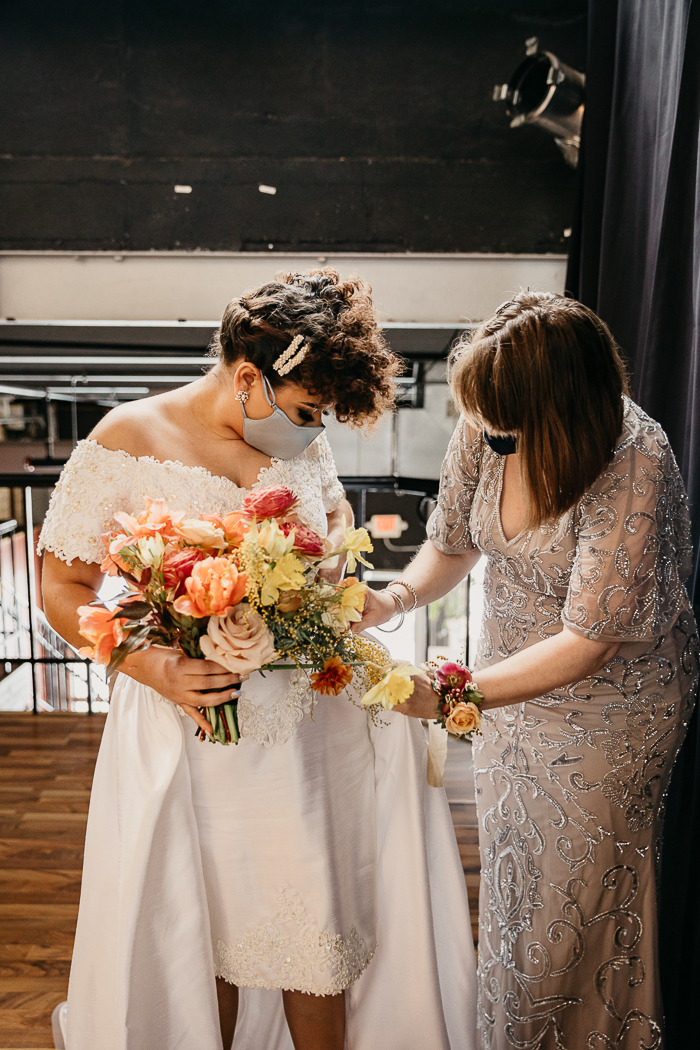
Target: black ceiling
[(374, 121)]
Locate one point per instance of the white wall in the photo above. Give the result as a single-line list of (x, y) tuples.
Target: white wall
[(196, 286), (152, 286), (423, 437)]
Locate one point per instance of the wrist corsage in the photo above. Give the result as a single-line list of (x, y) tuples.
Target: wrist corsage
[(459, 700)]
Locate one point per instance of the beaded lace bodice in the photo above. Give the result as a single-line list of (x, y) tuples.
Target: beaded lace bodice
[(98, 482), (611, 568)]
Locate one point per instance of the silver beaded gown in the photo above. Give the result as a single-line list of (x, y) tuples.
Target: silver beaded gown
[(570, 787)]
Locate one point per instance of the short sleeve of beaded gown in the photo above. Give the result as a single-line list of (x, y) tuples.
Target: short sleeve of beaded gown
[(633, 551), (448, 526)]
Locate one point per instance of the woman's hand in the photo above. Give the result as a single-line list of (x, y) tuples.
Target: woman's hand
[(423, 701), (336, 537), (182, 680), (379, 607)]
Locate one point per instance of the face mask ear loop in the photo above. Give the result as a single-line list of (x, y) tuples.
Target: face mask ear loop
[(266, 384)]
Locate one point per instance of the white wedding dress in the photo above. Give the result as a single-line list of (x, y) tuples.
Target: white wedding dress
[(310, 856)]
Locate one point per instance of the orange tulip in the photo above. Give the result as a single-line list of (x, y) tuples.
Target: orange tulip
[(213, 589), (98, 627), (112, 564), (234, 526), (155, 518)]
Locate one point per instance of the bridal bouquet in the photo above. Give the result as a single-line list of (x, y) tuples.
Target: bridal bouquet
[(243, 590)]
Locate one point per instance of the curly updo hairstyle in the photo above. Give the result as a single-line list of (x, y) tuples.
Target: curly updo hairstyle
[(349, 364)]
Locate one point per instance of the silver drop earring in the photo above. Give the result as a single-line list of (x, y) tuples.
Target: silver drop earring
[(242, 396)]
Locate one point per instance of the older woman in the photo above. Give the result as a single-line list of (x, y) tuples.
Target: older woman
[(587, 661)]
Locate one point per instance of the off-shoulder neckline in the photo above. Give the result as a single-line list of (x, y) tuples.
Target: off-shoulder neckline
[(202, 471)]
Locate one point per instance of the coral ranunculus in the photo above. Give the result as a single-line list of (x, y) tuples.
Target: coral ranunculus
[(97, 625), (272, 502), (334, 677), (213, 589), (178, 564)]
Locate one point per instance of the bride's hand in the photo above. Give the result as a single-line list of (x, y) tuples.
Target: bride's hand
[(379, 607), (182, 680)]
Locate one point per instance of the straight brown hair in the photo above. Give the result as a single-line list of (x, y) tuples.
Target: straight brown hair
[(546, 369)]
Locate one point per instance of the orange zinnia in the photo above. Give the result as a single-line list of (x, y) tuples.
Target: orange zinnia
[(333, 678)]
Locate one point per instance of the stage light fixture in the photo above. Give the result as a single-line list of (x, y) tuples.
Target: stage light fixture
[(543, 90)]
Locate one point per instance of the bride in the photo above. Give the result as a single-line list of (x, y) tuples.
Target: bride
[(301, 889)]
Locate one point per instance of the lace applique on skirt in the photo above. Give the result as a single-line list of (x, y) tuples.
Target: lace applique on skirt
[(276, 724), (297, 953)]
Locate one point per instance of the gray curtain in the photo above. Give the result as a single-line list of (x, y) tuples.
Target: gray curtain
[(635, 260)]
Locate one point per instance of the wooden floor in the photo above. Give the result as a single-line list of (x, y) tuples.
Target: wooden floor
[(46, 767), (459, 785)]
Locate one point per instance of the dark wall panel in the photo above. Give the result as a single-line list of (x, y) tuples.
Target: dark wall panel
[(374, 121)]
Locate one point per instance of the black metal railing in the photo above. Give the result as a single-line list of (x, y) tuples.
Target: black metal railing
[(39, 670)]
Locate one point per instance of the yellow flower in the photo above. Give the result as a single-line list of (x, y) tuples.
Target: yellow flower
[(394, 688), (352, 601), (287, 575), (274, 541), (356, 540)]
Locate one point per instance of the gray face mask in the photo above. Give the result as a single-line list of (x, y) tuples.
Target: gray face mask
[(276, 435)]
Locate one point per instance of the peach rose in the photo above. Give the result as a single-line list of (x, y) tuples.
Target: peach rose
[(196, 532), (214, 587), (240, 641), (464, 718), (289, 601), (98, 626), (272, 502)]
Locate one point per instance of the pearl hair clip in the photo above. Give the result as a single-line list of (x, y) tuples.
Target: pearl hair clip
[(290, 358)]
